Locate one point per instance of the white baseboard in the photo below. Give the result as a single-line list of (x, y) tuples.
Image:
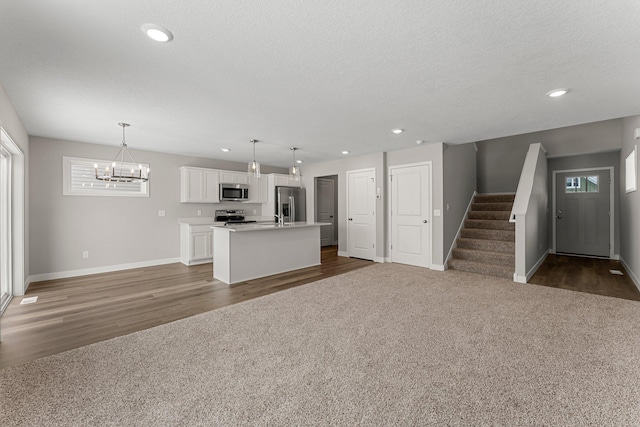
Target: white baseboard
[(379, 259), (343, 253), (387, 259), (616, 257), (634, 278), (96, 270), (525, 279), (438, 267)]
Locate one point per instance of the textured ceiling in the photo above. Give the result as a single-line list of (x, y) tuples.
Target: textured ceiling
[(321, 75)]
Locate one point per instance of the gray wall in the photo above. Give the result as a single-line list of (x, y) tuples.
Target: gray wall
[(589, 161), (424, 153), (500, 160), (629, 205), (459, 183), (340, 168), (115, 230), (11, 123)]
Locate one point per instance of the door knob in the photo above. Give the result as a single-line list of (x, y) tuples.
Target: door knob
[(424, 221), (559, 216), (350, 219)]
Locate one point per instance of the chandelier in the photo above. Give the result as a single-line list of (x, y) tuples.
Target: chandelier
[(123, 168)]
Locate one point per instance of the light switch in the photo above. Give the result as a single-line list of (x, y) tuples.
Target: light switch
[(436, 212), (161, 213)]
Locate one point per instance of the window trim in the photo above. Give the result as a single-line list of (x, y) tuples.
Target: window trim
[(67, 189)]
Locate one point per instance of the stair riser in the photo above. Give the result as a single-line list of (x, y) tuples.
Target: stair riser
[(474, 233), (487, 245), (491, 206), (492, 215), (490, 224), (474, 267), (499, 258), (494, 198)]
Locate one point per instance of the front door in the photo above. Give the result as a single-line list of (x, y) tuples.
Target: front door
[(410, 228), (361, 224), (324, 206), (583, 212)]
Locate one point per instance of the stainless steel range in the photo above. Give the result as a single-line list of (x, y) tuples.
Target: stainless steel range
[(232, 216)]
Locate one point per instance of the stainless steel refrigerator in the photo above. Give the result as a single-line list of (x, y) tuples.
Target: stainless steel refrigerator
[(291, 204)]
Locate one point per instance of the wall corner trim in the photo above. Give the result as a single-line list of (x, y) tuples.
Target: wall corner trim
[(438, 267), (633, 276), (343, 253)]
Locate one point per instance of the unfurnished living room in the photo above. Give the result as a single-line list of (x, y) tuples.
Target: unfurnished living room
[(319, 213)]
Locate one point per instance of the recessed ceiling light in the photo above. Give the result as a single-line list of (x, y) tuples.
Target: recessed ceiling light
[(298, 161), (557, 92), (157, 33), (345, 152), (226, 150), (397, 131)]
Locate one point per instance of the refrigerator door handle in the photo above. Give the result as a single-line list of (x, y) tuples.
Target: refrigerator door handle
[(292, 209)]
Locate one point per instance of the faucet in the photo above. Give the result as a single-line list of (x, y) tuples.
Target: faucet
[(280, 219)]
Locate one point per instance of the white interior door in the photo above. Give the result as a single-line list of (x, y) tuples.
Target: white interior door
[(583, 217), (325, 210), (410, 208), (361, 224)]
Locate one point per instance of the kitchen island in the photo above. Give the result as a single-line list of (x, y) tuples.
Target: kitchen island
[(248, 251)]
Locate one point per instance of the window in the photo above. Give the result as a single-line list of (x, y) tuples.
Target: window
[(79, 179), (582, 184)]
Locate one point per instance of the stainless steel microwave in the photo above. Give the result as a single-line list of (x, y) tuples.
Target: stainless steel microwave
[(234, 192)]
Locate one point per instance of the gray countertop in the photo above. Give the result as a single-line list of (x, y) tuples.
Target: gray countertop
[(263, 226)]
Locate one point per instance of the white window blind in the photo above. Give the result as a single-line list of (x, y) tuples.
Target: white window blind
[(79, 179)]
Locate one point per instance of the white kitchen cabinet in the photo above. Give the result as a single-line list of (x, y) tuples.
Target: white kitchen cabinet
[(234, 177), (258, 190), (196, 244), (285, 181), (199, 185)]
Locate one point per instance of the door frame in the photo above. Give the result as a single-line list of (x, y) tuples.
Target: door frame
[(430, 214), (612, 178), (374, 231), (334, 219)]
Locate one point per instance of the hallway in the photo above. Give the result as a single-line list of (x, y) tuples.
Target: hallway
[(590, 275)]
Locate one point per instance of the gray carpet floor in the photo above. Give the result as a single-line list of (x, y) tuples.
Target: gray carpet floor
[(384, 345)]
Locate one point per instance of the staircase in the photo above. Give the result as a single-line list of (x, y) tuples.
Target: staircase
[(487, 241)]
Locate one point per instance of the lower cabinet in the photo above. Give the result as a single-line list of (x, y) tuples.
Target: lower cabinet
[(196, 244)]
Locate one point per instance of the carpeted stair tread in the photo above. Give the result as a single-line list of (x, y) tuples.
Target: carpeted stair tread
[(487, 257), (481, 267), (487, 242), (490, 224), (477, 233), (487, 245), (497, 215), (494, 198), (492, 206)]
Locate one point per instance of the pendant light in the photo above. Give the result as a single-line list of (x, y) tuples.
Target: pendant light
[(253, 169), (294, 170), (123, 167)]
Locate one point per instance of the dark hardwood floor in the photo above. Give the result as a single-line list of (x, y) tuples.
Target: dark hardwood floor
[(589, 275), (74, 312)]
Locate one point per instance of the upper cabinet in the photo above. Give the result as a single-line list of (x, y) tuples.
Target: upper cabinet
[(234, 177), (285, 181), (199, 185)]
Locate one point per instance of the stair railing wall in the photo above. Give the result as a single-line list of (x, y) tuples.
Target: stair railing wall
[(530, 212)]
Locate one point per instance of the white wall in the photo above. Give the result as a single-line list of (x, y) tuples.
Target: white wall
[(115, 230), (459, 181), (500, 160), (340, 168), (629, 205), (12, 124)]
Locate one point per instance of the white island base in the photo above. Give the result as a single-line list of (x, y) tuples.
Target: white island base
[(249, 251)]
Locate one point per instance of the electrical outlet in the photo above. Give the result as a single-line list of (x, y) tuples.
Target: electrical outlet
[(199, 212), (85, 254), (161, 213)]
